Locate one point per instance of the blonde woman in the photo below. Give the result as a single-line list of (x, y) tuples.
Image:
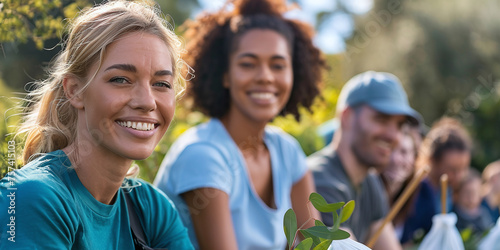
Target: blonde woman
[(108, 101)]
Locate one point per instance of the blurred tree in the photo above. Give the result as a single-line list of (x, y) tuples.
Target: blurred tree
[(446, 54), (31, 32), (27, 28)]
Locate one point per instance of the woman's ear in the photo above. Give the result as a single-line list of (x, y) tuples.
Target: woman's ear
[(72, 90)]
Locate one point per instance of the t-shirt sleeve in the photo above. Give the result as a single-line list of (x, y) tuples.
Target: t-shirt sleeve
[(163, 224), (328, 186), (379, 198), (35, 214), (200, 165)]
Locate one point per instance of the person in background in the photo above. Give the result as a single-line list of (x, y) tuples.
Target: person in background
[(372, 109), (446, 149), (399, 173), (467, 205), (491, 189), (108, 101), (234, 177)]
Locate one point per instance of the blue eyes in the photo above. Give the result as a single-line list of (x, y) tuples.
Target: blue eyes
[(163, 84), (124, 80), (119, 79)]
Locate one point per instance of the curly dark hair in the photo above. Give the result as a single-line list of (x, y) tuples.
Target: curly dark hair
[(212, 37)]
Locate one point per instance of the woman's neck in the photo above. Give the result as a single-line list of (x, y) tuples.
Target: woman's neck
[(246, 134), (100, 172)]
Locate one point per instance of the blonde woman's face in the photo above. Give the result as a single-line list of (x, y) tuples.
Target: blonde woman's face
[(130, 103)]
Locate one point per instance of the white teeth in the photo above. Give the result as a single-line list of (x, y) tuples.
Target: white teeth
[(143, 126), (384, 144), (262, 95)]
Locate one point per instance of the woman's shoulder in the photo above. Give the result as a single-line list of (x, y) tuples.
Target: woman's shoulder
[(279, 137), (44, 173), (209, 139), (39, 191), (148, 197)]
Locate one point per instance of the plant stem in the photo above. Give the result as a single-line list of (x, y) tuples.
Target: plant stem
[(301, 226)]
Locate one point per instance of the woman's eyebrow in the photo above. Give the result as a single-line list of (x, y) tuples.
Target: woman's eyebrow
[(132, 68), (164, 73), (255, 56), (125, 67)]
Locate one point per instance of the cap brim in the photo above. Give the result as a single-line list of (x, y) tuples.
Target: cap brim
[(390, 108)]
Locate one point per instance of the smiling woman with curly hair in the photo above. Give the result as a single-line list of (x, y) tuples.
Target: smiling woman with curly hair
[(234, 177)]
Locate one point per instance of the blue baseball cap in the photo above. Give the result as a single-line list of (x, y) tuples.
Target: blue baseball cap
[(379, 90)]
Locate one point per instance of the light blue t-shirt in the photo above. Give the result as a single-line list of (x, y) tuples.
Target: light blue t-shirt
[(207, 157), (45, 206)]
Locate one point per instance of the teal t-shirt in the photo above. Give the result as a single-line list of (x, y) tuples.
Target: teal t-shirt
[(45, 206)]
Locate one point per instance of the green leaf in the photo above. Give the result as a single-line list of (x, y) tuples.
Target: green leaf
[(323, 245), (319, 223), (320, 231), (290, 226), (306, 234), (305, 244), (321, 205), (347, 211), (325, 233), (336, 221), (340, 235)]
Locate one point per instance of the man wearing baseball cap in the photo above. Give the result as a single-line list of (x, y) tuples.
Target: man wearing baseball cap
[(371, 110)]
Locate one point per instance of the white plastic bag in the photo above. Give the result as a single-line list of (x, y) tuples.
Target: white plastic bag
[(492, 240), (347, 244), (443, 235)]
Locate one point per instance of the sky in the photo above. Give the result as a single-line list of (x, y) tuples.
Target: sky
[(332, 33)]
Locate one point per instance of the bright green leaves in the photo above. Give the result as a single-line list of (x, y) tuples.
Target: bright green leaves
[(305, 244), (319, 236), (290, 226), (326, 233), (38, 20), (323, 245), (321, 205), (346, 211), (316, 240)]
